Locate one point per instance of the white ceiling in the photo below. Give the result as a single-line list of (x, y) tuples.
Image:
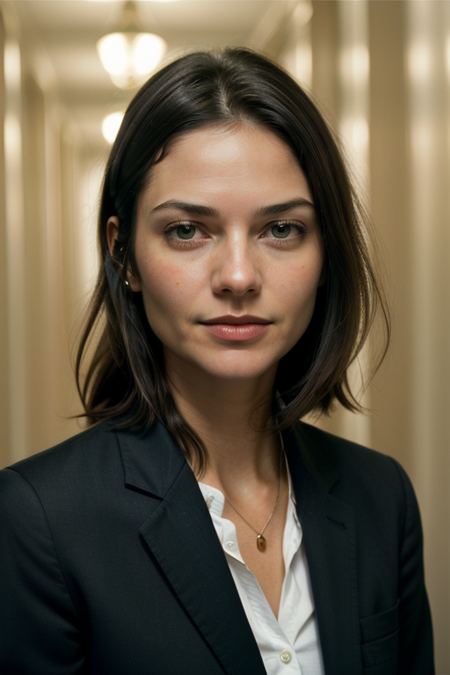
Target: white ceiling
[(60, 39)]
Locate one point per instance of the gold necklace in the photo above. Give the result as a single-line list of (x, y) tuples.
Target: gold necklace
[(261, 543)]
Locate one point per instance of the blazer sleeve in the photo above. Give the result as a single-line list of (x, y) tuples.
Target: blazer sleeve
[(415, 635), (38, 622)]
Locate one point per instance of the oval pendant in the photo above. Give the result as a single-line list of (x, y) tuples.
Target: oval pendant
[(260, 543)]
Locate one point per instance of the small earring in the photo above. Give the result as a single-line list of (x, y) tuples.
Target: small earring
[(127, 283)]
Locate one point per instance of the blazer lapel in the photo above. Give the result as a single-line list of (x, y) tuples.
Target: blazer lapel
[(181, 536), (329, 539)]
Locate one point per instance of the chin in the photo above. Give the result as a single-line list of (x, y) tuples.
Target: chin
[(239, 370)]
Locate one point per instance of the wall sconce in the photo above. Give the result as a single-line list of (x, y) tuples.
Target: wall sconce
[(130, 55)]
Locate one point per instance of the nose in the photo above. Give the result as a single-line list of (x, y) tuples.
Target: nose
[(236, 269)]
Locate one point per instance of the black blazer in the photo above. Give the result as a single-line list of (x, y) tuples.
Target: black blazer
[(110, 564)]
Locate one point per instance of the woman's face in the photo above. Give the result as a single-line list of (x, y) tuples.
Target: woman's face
[(229, 252)]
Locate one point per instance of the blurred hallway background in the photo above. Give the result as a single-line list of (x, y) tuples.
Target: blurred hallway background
[(378, 69)]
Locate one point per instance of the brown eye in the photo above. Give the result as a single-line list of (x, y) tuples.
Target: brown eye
[(281, 230), (185, 231)]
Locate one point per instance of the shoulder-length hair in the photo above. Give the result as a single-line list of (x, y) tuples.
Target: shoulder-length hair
[(126, 376)]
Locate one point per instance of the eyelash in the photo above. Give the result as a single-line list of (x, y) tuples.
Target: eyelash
[(191, 243), (181, 243)]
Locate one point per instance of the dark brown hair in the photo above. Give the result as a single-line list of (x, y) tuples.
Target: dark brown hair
[(126, 375)]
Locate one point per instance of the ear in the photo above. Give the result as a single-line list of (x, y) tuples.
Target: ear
[(112, 232)]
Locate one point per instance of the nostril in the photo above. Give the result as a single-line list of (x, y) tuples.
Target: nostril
[(238, 292), (227, 278)]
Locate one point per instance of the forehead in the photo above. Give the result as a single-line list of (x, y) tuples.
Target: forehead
[(227, 160)]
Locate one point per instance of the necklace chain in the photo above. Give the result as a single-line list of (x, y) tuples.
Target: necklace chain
[(260, 539)]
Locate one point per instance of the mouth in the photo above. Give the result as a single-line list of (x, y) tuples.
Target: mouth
[(233, 328), (232, 320)]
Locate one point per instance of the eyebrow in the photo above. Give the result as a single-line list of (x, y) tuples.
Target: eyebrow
[(200, 210), (287, 206), (196, 209)]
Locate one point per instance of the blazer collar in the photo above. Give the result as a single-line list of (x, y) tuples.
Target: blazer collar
[(330, 546), (181, 536), (152, 459), (303, 452)]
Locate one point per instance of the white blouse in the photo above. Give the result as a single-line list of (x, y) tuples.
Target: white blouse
[(289, 645)]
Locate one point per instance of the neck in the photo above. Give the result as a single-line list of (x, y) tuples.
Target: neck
[(228, 415)]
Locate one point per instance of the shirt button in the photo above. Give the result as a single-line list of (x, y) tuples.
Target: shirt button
[(229, 544), (285, 656)]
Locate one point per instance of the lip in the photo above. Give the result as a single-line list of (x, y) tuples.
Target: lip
[(233, 320), (233, 328)]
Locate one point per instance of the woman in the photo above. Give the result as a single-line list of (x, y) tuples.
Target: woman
[(197, 527)]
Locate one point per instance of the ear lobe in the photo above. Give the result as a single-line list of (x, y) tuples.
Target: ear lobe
[(112, 232), (133, 281)]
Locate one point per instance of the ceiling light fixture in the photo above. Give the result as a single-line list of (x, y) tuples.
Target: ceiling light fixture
[(111, 125), (130, 55)]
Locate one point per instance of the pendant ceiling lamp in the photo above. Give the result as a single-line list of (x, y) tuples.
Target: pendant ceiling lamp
[(130, 55)]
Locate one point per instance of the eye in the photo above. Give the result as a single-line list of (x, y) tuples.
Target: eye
[(285, 230), (281, 230), (185, 231)]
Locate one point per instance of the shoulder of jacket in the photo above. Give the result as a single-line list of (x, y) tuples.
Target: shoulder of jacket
[(83, 450), (367, 479), (353, 462), (336, 446)]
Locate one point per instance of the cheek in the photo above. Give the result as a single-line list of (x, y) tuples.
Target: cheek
[(161, 285), (166, 290), (299, 290), (300, 282)]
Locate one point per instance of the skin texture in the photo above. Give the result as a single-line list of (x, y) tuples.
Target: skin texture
[(233, 264)]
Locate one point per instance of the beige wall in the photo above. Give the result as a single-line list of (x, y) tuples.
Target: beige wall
[(4, 376), (37, 383), (405, 169), (404, 100)]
